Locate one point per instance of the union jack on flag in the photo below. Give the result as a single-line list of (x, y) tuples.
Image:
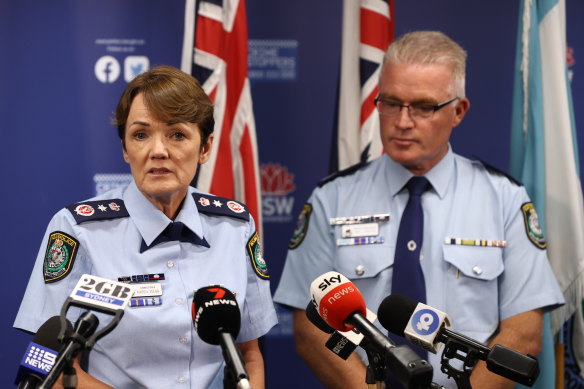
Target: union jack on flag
[(368, 29), (215, 53)]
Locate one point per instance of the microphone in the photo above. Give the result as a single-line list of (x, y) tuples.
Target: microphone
[(84, 328), (41, 354), (93, 293), (427, 327), (217, 320), (342, 343), (342, 307)]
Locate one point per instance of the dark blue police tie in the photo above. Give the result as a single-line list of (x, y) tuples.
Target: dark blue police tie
[(175, 231), (408, 279)]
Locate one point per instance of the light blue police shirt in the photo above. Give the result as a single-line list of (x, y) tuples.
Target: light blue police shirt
[(155, 346), (476, 286)]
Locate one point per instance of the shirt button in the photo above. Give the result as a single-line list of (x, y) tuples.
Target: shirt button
[(181, 380), (170, 263), (178, 301), (360, 270), (412, 245), (477, 270), (183, 340)]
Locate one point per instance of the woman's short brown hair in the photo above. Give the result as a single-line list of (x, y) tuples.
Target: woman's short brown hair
[(169, 94)]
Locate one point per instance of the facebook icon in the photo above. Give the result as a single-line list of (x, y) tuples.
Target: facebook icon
[(107, 69)]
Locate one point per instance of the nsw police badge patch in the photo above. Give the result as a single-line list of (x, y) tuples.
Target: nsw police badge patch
[(59, 257), (532, 227), (301, 227), (257, 257)]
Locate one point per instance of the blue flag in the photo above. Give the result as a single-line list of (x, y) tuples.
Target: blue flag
[(544, 156)]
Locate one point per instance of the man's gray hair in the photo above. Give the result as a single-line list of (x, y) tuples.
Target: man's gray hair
[(430, 47)]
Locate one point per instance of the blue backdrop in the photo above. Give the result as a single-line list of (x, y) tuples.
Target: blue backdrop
[(55, 111)]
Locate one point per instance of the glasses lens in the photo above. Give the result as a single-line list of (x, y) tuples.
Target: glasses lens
[(421, 111), (388, 108)]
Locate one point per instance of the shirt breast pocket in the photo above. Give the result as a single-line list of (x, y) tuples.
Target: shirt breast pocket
[(369, 267), (472, 295)]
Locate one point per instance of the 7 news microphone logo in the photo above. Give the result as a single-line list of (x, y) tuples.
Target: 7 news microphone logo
[(39, 358)]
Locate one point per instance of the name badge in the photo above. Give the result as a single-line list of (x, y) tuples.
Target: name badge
[(148, 290), (359, 230)]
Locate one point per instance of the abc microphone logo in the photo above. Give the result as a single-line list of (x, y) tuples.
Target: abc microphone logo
[(425, 322)]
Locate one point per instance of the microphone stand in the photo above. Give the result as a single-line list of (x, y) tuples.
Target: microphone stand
[(234, 374), (69, 380), (376, 370), (460, 376)]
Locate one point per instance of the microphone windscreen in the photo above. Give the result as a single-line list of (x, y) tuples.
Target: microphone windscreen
[(337, 299), (314, 317), (215, 310), (395, 312), (41, 353), (48, 332)]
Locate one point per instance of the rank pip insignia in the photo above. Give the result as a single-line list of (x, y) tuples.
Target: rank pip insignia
[(532, 227), (257, 257), (59, 256)]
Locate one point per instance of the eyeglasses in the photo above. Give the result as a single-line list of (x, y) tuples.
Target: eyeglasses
[(417, 111)]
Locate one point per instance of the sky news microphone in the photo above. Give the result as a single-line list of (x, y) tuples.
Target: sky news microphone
[(217, 320), (41, 354), (341, 343), (341, 305), (428, 328)]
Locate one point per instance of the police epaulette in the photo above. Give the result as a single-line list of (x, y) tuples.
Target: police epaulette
[(98, 210), (345, 172), (215, 205), (494, 170)]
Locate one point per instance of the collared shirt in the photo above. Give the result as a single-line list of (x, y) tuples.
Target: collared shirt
[(155, 346), (476, 286)]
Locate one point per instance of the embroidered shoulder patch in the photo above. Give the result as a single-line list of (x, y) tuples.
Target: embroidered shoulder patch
[(256, 256), (532, 227), (214, 205), (59, 256), (98, 210), (301, 227)]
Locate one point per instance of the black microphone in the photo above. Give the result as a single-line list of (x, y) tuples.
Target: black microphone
[(338, 343), (342, 306), (217, 320), (78, 340), (41, 354), (427, 327)]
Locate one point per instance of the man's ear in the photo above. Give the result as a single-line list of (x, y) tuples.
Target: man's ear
[(461, 108)]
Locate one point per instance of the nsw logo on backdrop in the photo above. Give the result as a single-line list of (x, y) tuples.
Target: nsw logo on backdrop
[(277, 184)]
